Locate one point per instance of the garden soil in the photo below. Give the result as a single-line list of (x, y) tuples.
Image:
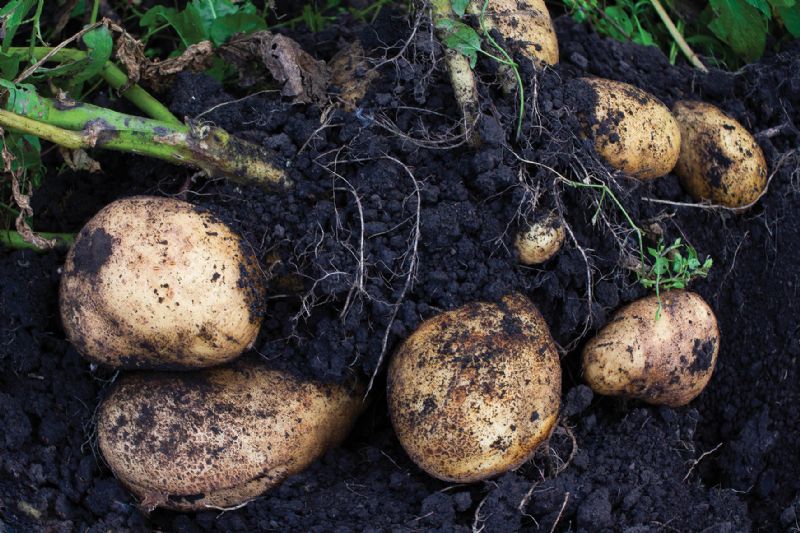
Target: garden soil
[(728, 462)]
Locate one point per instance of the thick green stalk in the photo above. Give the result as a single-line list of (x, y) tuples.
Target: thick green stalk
[(12, 239), (76, 125), (112, 74)]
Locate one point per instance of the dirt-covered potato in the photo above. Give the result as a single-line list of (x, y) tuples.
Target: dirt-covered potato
[(632, 130), (720, 160), (666, 361), (156, 283), (523, 22), (218, 437), (540, 241), (474, 391)]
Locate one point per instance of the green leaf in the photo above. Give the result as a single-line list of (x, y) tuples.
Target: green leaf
[(9, 65), (741, 26), (763, 6), (623, 29), (187, 23), (782, 3), (790, 16), (99, 45), (462, 38), (11, 18), (460, 6), (678, 284), (225, 27)]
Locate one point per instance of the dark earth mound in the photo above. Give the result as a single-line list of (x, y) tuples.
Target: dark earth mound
[(635, 468)]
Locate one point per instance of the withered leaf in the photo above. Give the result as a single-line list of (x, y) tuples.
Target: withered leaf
[(304, 79)]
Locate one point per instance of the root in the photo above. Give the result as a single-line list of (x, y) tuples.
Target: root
[(412, 258), (560, 513)]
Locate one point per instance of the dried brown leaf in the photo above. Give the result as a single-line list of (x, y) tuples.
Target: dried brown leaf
[(303, 78)]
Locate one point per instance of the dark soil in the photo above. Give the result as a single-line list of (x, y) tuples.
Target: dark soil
[(636, 466)]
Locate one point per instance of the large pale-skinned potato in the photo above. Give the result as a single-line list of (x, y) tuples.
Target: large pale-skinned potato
[(632, 130), (720, 160), (523, 22), (474, 391), (219, 437), (156, 283), (664, 361)]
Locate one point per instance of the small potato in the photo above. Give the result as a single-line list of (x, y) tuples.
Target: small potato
[(633, 131), (720, 161), (526, 22), (540, 241), (474, 391), (155, 283), (664, 362), (218, 437)]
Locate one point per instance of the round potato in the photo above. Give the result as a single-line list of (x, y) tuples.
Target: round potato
[(155, 283), (540, 241), (664, 361), (632, 130), (474, 391), (720, 161), (526, 22), (216, 438)]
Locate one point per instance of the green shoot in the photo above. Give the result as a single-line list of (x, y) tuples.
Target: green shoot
[(461, 37), (674, 266), (14, 240)]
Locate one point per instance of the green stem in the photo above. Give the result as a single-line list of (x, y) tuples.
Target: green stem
[(609, 192), (76, 125), (12, 239), (112, 74), (95, 11)]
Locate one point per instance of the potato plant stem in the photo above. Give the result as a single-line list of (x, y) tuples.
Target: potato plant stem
[(461, 76), (676, 35), (112, 74), (12, 239), (76, 125)]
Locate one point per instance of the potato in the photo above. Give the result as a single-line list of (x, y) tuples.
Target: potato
[(155, 283), (719, 161), (526, 22), (664, 362), (540, 241), (218, 437), (474, 391), (632, 130)]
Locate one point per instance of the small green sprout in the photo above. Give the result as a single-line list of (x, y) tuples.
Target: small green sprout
[(673, 267)]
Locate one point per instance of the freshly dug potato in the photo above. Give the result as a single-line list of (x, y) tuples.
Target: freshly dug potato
[(218, 437), (632, 130), (664, 362), (526, 22), (720, 161), (540, 241), (155, 283), (474, 391)]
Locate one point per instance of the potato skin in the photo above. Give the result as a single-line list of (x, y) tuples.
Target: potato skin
[(154, 283), (474, 391), (720, 160), (540, 241), (526, 22), (668, 361), (218, 437), (634, 132)]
